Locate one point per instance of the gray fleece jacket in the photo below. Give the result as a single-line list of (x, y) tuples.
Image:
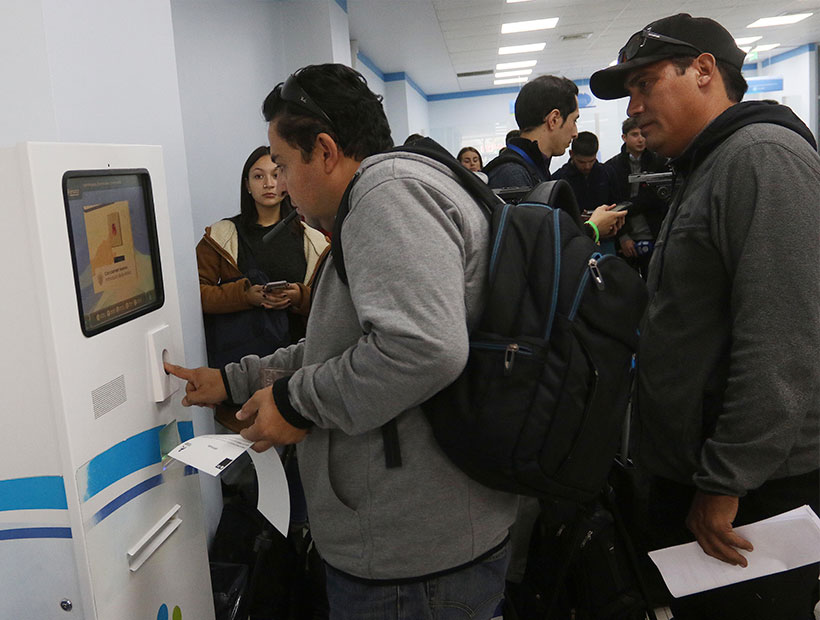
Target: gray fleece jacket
[(729, 384), (416, 248)]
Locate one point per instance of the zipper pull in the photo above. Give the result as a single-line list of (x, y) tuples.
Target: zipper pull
[(596, 273), (509, 358)]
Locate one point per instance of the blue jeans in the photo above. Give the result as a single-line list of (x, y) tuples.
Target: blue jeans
[(474, 592)]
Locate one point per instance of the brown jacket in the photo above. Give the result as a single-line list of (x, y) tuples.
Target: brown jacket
[(222, 286)]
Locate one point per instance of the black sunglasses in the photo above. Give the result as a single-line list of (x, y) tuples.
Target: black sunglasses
[(290, 91), (639, 39)]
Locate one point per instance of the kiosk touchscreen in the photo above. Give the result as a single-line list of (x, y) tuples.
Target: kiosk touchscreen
[(96, 523), (114, 251)]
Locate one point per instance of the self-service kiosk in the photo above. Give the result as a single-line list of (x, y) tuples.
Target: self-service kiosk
[(94, 523)]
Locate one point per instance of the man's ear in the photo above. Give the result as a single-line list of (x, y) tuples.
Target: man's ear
[(705, 67), (328, 150), (553, 119)]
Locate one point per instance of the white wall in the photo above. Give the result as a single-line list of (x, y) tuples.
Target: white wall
[(418, 120), (799, 74), (480, 122), (105, 71), (395, 108), (483, 121), (229, 57)]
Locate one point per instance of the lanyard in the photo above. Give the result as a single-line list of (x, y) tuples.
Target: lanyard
[(526, 157)]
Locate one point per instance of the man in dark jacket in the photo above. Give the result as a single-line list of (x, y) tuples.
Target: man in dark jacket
[(728, 388), (589, 180), (648, 208), (546, 111)]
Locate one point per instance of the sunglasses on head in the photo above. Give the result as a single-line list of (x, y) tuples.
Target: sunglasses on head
[(639, 39), (290, 91)]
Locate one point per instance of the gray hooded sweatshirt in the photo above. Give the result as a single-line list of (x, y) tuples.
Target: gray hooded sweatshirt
[(416, 249)]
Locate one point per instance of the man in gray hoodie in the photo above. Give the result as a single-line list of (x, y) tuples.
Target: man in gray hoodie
[(405, 533), (728, 389)]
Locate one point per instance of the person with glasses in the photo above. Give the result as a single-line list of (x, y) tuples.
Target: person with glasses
[(403, 531), (728, 390)]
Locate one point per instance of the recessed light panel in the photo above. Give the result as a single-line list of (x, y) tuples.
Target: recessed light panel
[(766, 48), (521, 49), (518, 80), (518, 72), (779, 20), (528, 26), (521, 64), (746, 41)]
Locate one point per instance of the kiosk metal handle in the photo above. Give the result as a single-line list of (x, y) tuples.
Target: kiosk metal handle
[(144, 549)]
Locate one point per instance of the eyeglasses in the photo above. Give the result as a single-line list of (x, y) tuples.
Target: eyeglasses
[(290, 91), (639, 39)]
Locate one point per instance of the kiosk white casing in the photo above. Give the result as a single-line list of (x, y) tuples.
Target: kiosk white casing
[(94, 524)]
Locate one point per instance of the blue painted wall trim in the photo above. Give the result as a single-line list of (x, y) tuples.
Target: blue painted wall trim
[(464, 94), (186, 430), (120, 460), (134, 492), (343, 4), (367, 62), (36, 493), (749, 66), (581, 82), (35, 532), (402, 76), (803, 49)]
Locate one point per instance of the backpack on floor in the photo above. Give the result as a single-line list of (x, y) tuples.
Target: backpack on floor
[(538, 409)]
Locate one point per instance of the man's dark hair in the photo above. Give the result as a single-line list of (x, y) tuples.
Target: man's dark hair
[(357, 120), (628, 125), (733, 79), (413, 137), (543, 95), (512, 133), (585, 144)]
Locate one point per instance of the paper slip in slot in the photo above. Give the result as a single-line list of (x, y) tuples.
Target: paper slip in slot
[(781, 543), (210, 454)]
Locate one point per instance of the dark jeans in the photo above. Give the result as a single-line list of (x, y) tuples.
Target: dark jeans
[(474, 592), (790, 595)]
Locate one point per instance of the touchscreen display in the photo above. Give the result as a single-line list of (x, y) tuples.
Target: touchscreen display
[(114, 248)]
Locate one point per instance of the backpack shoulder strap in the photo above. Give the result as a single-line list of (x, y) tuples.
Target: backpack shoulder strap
[(431, 149)]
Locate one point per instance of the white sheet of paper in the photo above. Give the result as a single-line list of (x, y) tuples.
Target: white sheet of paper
[(212, 454), (781, 543)]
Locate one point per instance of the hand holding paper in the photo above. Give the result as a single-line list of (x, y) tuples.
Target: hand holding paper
[(710, 520), (781, 543)]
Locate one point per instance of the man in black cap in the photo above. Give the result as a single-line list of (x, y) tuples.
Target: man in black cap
[(728, 392)]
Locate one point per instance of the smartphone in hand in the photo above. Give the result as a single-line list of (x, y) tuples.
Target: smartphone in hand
[(272, 286), (622, 206)]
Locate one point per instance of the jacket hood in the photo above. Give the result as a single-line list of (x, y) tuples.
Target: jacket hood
[(734, 118)]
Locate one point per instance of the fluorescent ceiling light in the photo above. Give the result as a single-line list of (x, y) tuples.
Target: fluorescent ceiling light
[(520, 64), (746, 41), (766, 48), (780, 20), (514, 1), (746, 48), (521, 49), (506, 74), (518, 80), (613, 63), (533, 24)]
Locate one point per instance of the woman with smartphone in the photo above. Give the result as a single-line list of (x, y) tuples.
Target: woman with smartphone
[(236, 261)]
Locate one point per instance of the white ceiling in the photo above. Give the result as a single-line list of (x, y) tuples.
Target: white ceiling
[(433, 40)]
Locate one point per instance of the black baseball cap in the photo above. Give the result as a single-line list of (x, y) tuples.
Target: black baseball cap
[(678, 35)]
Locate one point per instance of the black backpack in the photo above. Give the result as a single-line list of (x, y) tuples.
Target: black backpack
[(539, 407)]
